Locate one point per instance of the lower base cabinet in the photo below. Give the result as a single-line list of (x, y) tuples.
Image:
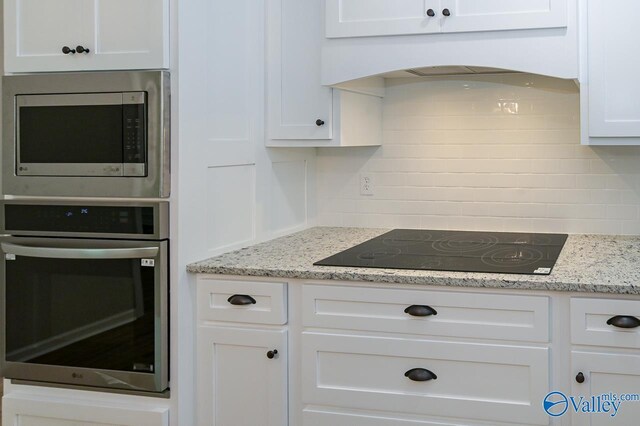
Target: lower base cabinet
[(605, 376), (241, 377), (22, 410), (358, 354)]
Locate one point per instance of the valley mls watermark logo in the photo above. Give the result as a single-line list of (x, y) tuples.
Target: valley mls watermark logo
[(557, 403)]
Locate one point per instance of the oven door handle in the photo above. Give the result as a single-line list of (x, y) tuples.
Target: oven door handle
[(80, 253)]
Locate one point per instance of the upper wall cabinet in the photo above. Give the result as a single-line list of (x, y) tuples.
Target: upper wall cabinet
[(355, 18), (299, 106), (609, 81), (301, 111), (373, 37), (79, 35)]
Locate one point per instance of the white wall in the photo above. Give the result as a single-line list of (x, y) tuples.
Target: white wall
[(229, 189), (495, 152)]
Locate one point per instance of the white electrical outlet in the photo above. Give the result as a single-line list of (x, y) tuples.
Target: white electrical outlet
[(366, 184)]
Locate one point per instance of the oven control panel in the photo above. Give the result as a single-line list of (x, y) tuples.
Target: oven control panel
[(76, 219)]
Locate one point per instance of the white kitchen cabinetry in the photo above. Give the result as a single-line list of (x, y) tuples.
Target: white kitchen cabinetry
[(603, 329), (428, 377), (483, 357), (355, 18), (241, 353), (609, 80), (118, 34), (300, 111), (592, 322), (606, 373), (366, 38), (361, 345), (242, 376), (38, 410), (465, 315)]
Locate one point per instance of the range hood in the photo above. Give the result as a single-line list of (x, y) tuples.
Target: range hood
[(375, 44)]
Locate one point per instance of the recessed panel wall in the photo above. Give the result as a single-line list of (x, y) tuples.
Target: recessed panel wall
[(230, 205)]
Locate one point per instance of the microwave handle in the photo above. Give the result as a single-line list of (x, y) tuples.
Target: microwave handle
[(80, 253)]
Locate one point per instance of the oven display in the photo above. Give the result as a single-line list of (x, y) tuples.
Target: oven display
[(94, 219)]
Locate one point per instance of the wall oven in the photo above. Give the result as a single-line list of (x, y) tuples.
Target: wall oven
[(87, 134), (85, 294)]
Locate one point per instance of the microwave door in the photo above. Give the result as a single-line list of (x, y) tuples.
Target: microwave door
[(69, 135)]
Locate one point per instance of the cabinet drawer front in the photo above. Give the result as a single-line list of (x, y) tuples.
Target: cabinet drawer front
[(589, 322), (486, 316), (321, 416), (488, 382), (270, 305)]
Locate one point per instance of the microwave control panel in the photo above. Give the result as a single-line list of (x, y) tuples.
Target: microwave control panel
[(135, 138)]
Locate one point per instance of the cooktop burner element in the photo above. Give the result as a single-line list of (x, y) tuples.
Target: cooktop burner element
[(464, 251)]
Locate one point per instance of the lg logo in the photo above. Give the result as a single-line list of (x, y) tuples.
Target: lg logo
[(77, 375)]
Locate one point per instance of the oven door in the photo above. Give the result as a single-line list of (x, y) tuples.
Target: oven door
[(85, 312)]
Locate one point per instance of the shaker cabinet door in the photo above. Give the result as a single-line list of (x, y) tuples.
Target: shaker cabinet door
[(131, 34), (613, 67), (358, 18), (113, 34), (241, 381), (24, 409), (610, 375), (36, 31), (493, 15), (299, 107)]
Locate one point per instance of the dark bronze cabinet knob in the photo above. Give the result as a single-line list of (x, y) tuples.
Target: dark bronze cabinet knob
[(272, 354), (319, 122), (66, 50), (580, 377), (431, 13), (81, 49), (446, 12)]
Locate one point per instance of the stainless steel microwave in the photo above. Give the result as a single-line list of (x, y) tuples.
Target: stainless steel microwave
[(103, 134)]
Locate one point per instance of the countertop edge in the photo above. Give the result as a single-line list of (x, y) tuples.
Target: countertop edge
[(496, 283)]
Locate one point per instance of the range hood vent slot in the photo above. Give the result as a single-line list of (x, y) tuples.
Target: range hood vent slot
[(446, 70)]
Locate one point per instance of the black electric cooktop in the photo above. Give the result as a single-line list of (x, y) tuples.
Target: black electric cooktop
[(464, 251)]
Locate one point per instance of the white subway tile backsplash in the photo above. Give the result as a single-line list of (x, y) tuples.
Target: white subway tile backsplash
[(490, 152), (629, 212), (626, 197), (562, 196), (590, 181)]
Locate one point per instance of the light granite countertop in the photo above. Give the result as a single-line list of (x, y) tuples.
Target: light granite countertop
[(588, 263)]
